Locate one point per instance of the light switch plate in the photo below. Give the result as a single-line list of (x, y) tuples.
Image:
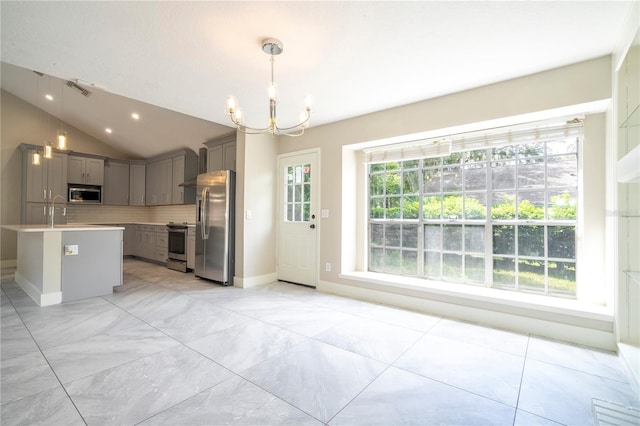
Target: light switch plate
[(71, 250)]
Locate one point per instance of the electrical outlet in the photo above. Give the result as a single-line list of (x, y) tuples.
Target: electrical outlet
[(71, 250), (327, 267)]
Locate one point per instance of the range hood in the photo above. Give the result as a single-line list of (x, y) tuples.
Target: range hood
[(202, 168)]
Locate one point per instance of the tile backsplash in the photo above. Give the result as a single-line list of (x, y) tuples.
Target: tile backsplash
[(131, 214)]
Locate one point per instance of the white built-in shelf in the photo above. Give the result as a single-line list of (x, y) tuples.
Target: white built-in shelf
[(629, 167), (634, 276), (633, 120)]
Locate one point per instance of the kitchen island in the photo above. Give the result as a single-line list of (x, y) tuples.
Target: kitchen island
[(68, 262)]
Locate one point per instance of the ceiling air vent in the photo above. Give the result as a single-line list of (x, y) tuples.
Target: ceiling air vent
[(84, 92)]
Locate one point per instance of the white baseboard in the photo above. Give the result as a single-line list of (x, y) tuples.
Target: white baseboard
[(9, 263), (33, 292), (247, 282), (597, 334)]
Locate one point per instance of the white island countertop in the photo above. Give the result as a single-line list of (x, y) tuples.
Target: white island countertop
[(58, 228)]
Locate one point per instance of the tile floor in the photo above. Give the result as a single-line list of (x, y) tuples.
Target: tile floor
[(167, 348)]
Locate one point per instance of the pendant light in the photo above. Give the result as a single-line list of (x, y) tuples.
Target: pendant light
[(61, 134), (48, 150), (35, 158)]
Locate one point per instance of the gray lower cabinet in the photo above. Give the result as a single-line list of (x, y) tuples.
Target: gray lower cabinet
[(162, 244), (150, 242), (128, 239), (115, 191)]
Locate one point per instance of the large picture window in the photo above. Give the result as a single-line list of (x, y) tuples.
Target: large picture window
[(503, 216)]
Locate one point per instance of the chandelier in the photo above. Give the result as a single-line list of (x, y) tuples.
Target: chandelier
[(272, 47)]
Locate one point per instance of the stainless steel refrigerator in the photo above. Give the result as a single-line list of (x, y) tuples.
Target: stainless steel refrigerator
[(215, 226)]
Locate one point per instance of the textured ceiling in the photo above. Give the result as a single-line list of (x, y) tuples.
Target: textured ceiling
[(352, 58)]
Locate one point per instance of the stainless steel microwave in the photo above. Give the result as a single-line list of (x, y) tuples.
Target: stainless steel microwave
[(90, 194)]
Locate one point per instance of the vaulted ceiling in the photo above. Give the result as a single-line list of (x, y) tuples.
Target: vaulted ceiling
[(175, 63)]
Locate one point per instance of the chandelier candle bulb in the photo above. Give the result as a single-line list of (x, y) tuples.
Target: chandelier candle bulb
[(35, 160), (47, 151), (272, 91), (231, 105), (237, 115)]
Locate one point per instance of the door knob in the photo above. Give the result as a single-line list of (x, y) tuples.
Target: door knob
[(312, 226)]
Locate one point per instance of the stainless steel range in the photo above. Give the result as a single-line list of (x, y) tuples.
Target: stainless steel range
[(177, 248)]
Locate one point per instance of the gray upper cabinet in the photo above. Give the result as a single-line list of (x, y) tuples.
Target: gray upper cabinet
[(165, 174), (159, 179), (41, 184), (221, 154), (116, 183), (85, 170), (46, 180), (177, 197), (137, 186)]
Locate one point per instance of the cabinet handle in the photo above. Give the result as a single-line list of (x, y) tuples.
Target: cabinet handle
[(44, 210), (44, 194), (49, 194)]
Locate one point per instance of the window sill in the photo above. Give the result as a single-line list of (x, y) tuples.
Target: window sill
[(525, 304)]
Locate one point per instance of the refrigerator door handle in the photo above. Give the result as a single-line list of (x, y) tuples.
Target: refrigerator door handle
[(205, 225), (202, 213)]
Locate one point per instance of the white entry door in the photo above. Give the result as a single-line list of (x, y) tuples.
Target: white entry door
[(298, 218)]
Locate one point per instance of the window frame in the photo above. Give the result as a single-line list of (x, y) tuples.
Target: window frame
[(488, 222)]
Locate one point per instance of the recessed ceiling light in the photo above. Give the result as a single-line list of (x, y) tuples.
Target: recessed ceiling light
[(135, 116), (108, 130), (49, 97)]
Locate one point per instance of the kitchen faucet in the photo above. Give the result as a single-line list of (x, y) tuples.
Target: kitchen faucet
[(52, 209)]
